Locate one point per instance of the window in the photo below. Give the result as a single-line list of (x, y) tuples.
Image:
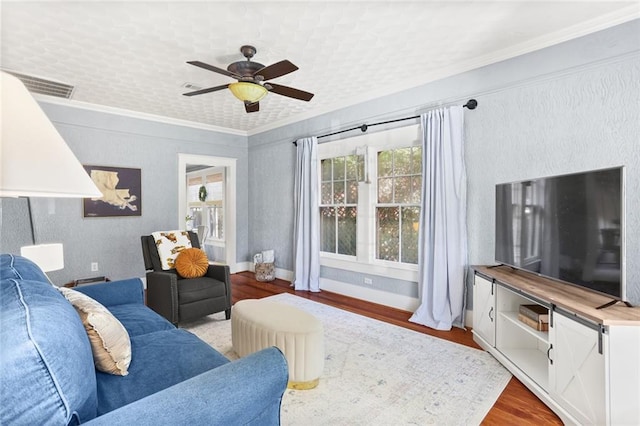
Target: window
[(398, 206), (338, 203), (210, 212), (370, 200)]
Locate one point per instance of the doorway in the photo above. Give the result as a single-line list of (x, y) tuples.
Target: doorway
[(187, 162)]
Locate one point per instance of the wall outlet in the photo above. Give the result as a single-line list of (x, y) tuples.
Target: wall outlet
[(94, 266), (368, 281)]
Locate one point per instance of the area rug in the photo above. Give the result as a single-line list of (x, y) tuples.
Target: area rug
[(381, 374)]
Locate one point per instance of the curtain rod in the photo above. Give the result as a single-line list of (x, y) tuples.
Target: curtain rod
[(471, 104)]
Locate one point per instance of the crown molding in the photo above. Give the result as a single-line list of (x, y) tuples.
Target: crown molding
[(618, 17), (135, 114)]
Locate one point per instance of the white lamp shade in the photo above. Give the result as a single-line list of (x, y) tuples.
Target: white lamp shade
[(49, 257), (35, 160)]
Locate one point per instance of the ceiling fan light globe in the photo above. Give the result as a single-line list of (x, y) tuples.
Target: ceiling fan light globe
[(248, 92)]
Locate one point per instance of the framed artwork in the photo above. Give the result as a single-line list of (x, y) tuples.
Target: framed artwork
[(121, 189)]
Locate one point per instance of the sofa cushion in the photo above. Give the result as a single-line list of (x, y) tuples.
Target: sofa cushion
[(109, 339), (159, 360), (192, 263), (47, 374), (20, 268), (195, 289), (137, 319)]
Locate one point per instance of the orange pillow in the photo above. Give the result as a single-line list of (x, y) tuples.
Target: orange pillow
[(192, 263)]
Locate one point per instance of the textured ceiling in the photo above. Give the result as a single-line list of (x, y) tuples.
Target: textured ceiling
[(132, 55)]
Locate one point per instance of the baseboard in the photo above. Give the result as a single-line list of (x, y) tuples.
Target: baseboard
[(380, 297), (376, 296), (243, 266)]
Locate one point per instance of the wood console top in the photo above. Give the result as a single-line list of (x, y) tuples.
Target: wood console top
[(574, 299)]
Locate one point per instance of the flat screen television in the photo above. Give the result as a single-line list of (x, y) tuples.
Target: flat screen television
[(569, 228)]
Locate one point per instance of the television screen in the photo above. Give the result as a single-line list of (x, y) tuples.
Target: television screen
[(566, 227)]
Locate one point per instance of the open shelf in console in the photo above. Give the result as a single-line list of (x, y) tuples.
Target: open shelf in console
[(520, 343)]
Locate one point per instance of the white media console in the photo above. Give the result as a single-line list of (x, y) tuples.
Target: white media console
[(586, 368)]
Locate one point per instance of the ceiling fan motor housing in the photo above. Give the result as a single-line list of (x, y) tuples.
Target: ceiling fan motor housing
[(246, 69)]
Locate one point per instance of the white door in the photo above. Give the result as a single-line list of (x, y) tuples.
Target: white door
[(484, 310), (577, 370)]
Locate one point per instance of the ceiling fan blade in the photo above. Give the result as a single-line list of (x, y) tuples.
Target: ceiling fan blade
[(290, 92), (276, 70), (209, 90), (212, 68), (254, 107)]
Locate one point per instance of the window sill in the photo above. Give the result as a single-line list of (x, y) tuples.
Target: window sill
[(401, 272)]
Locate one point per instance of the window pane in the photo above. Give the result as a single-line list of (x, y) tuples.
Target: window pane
[(416, 161), (338, 168), (328, 229), (216, 223), (402, 162), (338, 192), (192, 192), (327, 195), (196, 214), (385, 190), (347, 230), (326, 169), (416, 189), (402, 190), (385, 163), (214, 191), (388, 234), (352, 167), (410, 229), (352, 192)]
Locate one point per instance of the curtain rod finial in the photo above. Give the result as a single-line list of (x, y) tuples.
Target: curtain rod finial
[(471, 104)]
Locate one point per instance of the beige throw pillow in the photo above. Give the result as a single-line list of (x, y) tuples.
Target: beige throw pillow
[(109, 339), (170, 244)]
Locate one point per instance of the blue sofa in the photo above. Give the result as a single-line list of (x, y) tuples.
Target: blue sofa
[(47, 374)]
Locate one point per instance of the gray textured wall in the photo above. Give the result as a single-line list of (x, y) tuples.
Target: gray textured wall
[(99, 138), (567, 108), (571, 107)]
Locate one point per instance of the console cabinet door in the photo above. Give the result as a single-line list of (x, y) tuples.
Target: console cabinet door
[(577, 370), (484, 314)]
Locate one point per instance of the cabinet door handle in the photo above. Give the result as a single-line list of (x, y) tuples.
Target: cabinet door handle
[(491, 312), (549, 350)]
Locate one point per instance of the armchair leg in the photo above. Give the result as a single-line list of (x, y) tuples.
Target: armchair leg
[(227, 313)]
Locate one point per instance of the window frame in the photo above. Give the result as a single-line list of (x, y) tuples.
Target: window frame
[(365, 260)]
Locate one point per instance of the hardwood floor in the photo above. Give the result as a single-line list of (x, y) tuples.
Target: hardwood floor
[(516, 404)]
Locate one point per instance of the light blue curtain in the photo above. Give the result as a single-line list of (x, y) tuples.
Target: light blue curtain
[(306, 231), (442, 246)]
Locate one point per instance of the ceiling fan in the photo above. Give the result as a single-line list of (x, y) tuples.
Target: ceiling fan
[(251, 76)]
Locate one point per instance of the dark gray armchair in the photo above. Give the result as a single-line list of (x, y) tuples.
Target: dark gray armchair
[(181, 299)]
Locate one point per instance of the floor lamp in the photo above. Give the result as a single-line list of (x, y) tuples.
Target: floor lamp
[(36, 162)]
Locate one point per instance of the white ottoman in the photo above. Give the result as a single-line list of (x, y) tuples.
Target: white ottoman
[(258, 324)]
